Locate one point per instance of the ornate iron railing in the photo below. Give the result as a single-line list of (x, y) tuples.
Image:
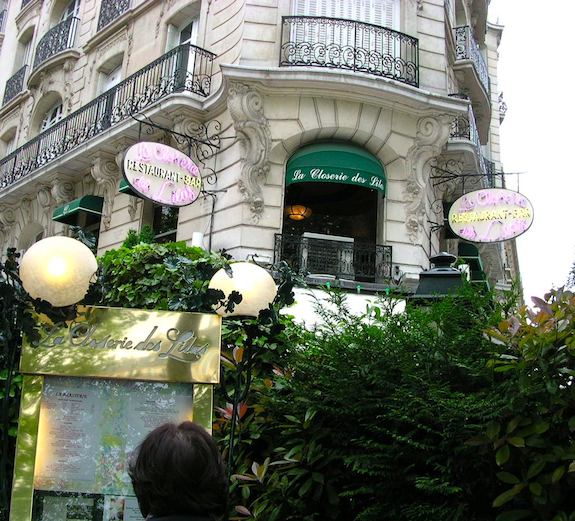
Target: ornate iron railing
[(14, 85), (309, 41), (466, 48), (110, 10), (358, 261), (464, 127), (185, 68), (490, 172), (3, 15), (56, 40)]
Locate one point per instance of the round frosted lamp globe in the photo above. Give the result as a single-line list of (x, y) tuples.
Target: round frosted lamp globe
[(58, 269), (255, 285)]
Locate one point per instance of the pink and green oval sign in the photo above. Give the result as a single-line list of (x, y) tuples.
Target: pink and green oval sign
[(490, 215), (162, 174)]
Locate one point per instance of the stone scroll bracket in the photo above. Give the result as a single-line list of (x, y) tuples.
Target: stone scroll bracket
[(253, 131), (106, 173), (432, 134)]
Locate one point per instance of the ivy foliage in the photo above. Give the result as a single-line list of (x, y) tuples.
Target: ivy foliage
[(170, 276)]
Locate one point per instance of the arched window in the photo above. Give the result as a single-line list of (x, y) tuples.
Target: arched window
[(183, 31), (52, 116), (32, 233), (331, 210), (71, 9)]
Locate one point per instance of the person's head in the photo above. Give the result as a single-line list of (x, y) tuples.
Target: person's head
[(177, 469)]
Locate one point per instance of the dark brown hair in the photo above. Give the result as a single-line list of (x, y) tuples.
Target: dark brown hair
[(177, 469)]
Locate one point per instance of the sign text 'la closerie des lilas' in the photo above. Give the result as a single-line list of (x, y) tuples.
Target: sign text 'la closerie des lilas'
[(162, 174), (490, 215)]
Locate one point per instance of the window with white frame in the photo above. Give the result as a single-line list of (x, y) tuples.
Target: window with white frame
[(384, 13), (52, 116)]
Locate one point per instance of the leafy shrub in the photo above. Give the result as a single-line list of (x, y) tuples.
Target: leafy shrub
[(157, 276), (370, 419), (534, 443)]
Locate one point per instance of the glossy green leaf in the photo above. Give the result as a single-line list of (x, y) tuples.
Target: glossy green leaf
[(508, 495), (508, 478), (535, 469), (502, 455)]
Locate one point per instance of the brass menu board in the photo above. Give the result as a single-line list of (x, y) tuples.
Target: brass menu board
[(93, 388)]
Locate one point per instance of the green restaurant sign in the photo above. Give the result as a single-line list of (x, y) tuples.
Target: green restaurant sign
[(335, 163), (319, 175)]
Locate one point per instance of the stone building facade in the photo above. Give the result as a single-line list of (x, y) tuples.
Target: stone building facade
[(408, 86)]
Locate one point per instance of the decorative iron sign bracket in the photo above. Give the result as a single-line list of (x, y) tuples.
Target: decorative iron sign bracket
[(203, 144)]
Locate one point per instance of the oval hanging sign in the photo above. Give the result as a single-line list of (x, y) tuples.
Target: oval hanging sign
[(490, 215), (162, 174)]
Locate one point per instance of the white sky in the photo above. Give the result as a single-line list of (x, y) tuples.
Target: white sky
[(536, 76)]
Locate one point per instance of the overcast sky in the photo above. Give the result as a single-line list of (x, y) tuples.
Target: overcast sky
[(536, 76)]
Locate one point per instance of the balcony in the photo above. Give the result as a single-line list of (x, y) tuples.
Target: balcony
[(185, 68), (14, 85), (464, 142), (343, 260), (58, 39), (473, 77), (466, 48), (110, 10), (334, 43)]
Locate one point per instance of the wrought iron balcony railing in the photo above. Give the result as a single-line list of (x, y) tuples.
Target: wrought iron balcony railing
[(490, 173), (185, 68), (466, 48), (357, 261), (464, 127), (56, 40), (309, 41), (110, 10), (14, 85)]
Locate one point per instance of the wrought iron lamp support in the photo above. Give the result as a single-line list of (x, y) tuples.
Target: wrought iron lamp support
[(203, 145), (240, 389)]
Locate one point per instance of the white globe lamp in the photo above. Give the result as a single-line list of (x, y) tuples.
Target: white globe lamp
[(58, 269), (253, 283)]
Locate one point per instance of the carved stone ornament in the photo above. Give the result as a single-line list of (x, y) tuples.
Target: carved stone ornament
[(432, 134), (62, 191), (7, 216), (107, 176), (252, 129)]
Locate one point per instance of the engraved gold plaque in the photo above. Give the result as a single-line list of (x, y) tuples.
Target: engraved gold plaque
[(132, 344)]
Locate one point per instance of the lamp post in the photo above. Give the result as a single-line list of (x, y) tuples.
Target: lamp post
[(258, 291), (57, 270)]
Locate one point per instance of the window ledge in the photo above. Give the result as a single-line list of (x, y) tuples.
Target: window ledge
[(118, 23), (14, 102), (57, 59), (29, 11)]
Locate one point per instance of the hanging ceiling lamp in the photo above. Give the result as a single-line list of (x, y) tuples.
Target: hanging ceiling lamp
[(297, 212)]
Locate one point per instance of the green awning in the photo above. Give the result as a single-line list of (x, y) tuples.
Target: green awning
[(335, 163), (125, 188), (470, 254), (68, 213)]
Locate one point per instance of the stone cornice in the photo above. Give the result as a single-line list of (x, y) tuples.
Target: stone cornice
[(352, 86)]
